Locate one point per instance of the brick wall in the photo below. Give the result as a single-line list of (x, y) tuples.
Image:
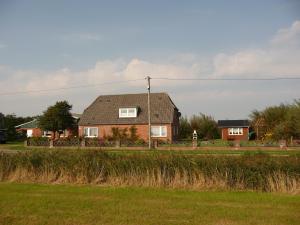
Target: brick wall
[(36, 132), (142, 130), (243, 137)]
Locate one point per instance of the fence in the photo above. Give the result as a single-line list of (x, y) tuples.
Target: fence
[(81, 142), (175, 145)]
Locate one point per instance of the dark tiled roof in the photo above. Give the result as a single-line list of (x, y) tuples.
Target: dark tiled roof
[(105, 109), (233, 123)]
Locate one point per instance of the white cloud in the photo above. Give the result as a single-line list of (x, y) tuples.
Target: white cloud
[(290, 35), (103, 72), (269, 61), (246, 62), (2, 68), (137, 69), (281, 58), (57, 79)]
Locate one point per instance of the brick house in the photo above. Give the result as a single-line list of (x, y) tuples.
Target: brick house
[(31, 129), (126, 110), (234, 129)]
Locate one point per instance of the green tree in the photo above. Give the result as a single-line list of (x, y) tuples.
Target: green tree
[(294, 119), (9, 122), (279, 122), (185, 129), (275, 115), (2, 120), (133, 137), (289, 126), (119, 134), (257, 122), (57, 118), (206, 126)]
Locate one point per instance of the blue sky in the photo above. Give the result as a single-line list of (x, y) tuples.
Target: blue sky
[(47, 44)]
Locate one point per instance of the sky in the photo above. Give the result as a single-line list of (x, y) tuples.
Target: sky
[(100, 45)]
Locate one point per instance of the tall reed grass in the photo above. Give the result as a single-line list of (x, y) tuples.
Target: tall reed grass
[(248, 172)]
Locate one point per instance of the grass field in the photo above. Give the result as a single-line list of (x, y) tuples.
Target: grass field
[(61, 204), (210, 150)]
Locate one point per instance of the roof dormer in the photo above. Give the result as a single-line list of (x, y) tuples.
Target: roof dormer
[(128, 112)]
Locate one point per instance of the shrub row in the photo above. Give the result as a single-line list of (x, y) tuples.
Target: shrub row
[(251, 172), (76, 142), (96, 142)]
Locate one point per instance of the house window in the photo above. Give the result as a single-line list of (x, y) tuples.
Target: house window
[(127, 112), (29, 133), (235, 131), (158, 131), (46, 133), (91, 131)]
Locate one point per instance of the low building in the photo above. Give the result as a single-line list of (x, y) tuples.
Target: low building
[(232, 130), (127, 110), (31, 129)]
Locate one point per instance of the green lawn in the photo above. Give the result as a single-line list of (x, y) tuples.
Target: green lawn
[(13, 146), (19, 146), (61, 204)]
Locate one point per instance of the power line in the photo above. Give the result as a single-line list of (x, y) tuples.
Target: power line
[(154, 78), (227, 79), (67, 88)]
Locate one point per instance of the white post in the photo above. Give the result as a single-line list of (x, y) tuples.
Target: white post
[(195, 137)]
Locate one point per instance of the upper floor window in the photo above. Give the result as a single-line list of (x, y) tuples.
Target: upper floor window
[(127, 112), (235, 131)]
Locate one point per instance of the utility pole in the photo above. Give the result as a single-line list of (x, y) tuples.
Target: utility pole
[(149, 113)]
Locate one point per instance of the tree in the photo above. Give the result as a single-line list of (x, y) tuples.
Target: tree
[(258, 123), (57, 118), (294, 119), (9, 122), (278, 122), (185, 129), (206, 126), (275, 115), (289, 127), (133, 137), (2, 117)]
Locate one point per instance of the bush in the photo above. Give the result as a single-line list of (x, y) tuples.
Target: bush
[(140, 142), (69, 141), (252, 172), (38, 141), (94, 142)]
